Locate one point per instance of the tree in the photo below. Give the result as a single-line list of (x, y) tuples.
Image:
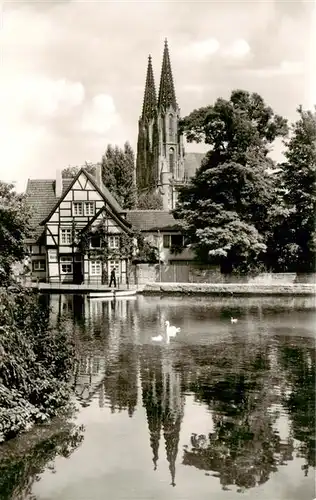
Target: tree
[(225, 210), (14, 228), (298, 182), (149, 201), (71, 172), (118, 174)]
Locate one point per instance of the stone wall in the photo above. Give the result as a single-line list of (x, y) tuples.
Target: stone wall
[(191, 273), (230, 289)]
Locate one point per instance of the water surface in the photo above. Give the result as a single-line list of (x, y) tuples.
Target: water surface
[(224, 409)]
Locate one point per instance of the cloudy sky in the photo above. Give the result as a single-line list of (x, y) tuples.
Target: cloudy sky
[(73, 72)]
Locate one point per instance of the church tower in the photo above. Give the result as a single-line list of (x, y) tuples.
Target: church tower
[(147, 144), (159, 164)]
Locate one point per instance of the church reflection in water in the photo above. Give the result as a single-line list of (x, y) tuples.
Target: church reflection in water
[(244, 387)]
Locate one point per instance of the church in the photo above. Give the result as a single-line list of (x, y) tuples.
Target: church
[(162, 165)]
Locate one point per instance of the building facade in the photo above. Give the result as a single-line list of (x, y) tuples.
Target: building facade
[(162, 165), (63, 209)]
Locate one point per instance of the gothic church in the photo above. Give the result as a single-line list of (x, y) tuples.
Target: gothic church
[(162, 164)]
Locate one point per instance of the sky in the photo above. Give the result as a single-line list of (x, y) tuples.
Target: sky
[(72, 73)]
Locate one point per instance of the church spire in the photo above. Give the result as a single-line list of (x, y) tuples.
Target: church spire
[(167, 96), (150, 99)]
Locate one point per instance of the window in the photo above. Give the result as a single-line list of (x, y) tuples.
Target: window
[(39, 265), (95, 242), (66, 264), (171, 130), (171, 160), (95, 267), (114, 264), (89, 208), (77, 208), (114, 241), (176, 240), (172, 240), (166, 240), (65, 235), (83, 208)]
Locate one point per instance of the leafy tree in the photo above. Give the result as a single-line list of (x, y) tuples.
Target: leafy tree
[(71, 172), (14, 228), (296, 229), (118, 174), (149, 201), (225, 210)]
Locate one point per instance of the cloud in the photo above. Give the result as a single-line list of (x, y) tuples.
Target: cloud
[(285, 68), (101, 115), (57, 55), (238, 49), (44, 97), (202, 49)]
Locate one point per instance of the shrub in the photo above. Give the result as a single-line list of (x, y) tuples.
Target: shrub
[(35, 363)]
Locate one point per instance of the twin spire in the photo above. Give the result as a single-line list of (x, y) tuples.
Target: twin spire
[(166, 95)]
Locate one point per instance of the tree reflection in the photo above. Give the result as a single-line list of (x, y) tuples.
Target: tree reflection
[(299, 366), (244, 448), (24, 459)]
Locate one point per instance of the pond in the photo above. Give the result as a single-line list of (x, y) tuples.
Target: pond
[(224, 409)]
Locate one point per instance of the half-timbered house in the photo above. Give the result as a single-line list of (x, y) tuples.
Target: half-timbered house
[(62, 210)]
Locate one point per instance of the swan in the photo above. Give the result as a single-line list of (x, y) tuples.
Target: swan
[(172, 330), (158, 338), (233, 320)]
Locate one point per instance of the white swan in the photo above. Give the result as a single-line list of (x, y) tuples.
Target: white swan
[(172, 330), (158, 338), (233, 320)]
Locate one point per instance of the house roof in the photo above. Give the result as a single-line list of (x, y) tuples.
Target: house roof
[(42, 199), (192, 162), (152, 220), (98, 186), (108, 195)]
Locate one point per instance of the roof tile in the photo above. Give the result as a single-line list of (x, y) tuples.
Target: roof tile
[(152, 220)]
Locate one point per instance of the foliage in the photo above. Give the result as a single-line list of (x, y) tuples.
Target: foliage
[(132, 246), (71, 172), (35, 363), (149, 201), (14, 228), (295, 231), (226, 208), (118, 174)]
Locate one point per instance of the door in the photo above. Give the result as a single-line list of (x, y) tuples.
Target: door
[(78, 272)]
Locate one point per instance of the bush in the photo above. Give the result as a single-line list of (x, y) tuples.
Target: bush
[(35, 363)]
